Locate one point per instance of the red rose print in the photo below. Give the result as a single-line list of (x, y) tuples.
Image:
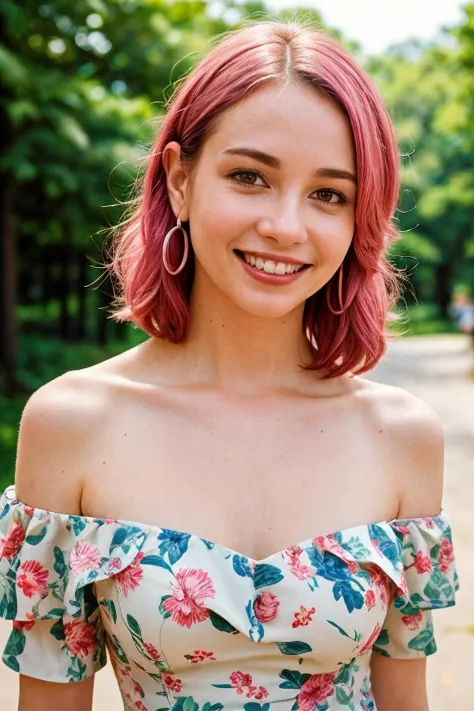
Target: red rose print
[(25, 626), (84, 557), (190, 590), (422, 563), (152, 651), (369, 643), (412, 621), (10, 545), (129, 579), (32, 578), (446, 555), (139, 706), (80, 638), (303, 617), (200, 656), (266, 607), (243, 683), (170, 682), (370, 599), (316, 690)]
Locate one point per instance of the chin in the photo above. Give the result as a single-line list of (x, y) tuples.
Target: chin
[(268, 306)]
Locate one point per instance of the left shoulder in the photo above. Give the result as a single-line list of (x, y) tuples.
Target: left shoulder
[(413, 438)]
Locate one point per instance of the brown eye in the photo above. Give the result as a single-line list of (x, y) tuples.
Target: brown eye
[(246, 177), (326, 195)]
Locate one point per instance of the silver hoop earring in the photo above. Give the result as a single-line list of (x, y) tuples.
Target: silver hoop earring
[(337, 313), (165, 249)]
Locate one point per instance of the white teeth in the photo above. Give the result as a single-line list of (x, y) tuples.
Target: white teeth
[(270, 266)]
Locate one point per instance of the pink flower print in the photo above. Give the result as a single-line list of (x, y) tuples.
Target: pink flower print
[(370, 599), (303, 617), (300, 570), (200, 656), (25, 626), (316, 690), (429, 523), (380, 582), (32, 578), (266, 607), (29, 510), (80, 638), (137, 689), (446, 555), (191, 588), (170, 682), (152, 651), (369, 643), (140, 706), (412, 621), (403, 529), (84, 557), (129, 579), (260, 693), (422, 563), (10, 546), (329, 543), (243, 683), (114, 565)]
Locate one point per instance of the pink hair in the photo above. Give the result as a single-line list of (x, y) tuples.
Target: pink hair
[(263, 53)]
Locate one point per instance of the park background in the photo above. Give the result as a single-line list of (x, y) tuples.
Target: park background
[(84, 86)]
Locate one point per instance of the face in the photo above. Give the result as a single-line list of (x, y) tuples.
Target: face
[(271, 200)]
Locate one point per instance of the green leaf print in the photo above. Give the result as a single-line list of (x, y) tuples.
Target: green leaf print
[(57, 630), (11, 662), (212, 707), (254, 706), (34, 540), (16, 643), (59, 565), (383, 638), (294, 647), (293, 679), (422, 641), (343, 696), (110, 607), (134, 626), (221, 624), (265, 574)]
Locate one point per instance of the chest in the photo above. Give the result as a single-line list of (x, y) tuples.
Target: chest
[(257, 477)]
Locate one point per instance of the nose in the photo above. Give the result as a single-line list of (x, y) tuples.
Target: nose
[(284, 222)]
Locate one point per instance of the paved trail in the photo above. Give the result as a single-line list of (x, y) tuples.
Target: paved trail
[(436, 369)]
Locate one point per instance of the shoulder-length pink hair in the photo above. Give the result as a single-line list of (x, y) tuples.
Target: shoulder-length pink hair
[(263, 53)]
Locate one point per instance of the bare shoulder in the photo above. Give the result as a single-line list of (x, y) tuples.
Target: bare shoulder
[(412, 436), (58, 429)]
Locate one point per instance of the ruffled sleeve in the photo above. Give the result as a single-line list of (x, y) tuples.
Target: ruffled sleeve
[(49, 563), (426, 581)]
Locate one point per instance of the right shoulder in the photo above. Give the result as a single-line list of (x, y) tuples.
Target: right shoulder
[(59, 428)]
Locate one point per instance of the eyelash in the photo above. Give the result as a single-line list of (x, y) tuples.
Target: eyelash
[(240, 171)]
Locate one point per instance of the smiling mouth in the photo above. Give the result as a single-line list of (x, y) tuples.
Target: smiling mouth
[(270, 266)]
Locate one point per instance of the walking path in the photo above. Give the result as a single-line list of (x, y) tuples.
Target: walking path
[(436, 369)]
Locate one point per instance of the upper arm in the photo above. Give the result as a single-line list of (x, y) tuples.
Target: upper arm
[(399, 683), (55, 446), (39, 695), (53, 452), (415, 449)]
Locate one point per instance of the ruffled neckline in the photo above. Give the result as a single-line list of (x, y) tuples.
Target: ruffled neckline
[(400, 525)]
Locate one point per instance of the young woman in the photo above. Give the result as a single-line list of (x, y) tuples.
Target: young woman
[(240, 517)]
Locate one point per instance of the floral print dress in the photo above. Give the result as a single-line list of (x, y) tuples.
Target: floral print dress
[(191, 625)]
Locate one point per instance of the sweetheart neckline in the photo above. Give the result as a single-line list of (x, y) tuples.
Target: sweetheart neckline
[(394, 522)]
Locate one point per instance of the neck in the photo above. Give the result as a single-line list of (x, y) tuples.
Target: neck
[(242, 353)]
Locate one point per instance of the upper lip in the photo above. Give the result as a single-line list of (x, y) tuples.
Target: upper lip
[(273, 257)]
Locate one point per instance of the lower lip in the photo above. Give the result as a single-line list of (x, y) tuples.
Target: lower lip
[(273, 279)]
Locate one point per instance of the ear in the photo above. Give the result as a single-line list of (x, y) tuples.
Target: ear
[(177, 180)]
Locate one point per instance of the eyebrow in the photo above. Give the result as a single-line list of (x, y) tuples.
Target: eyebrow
[(274, 162)]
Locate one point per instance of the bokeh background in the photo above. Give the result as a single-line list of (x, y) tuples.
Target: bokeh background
[(84, 86)]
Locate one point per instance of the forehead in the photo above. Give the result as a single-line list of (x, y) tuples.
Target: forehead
[(292, 122)]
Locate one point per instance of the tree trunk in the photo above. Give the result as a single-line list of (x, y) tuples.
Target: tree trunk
[(443, 289), (8, 291)]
